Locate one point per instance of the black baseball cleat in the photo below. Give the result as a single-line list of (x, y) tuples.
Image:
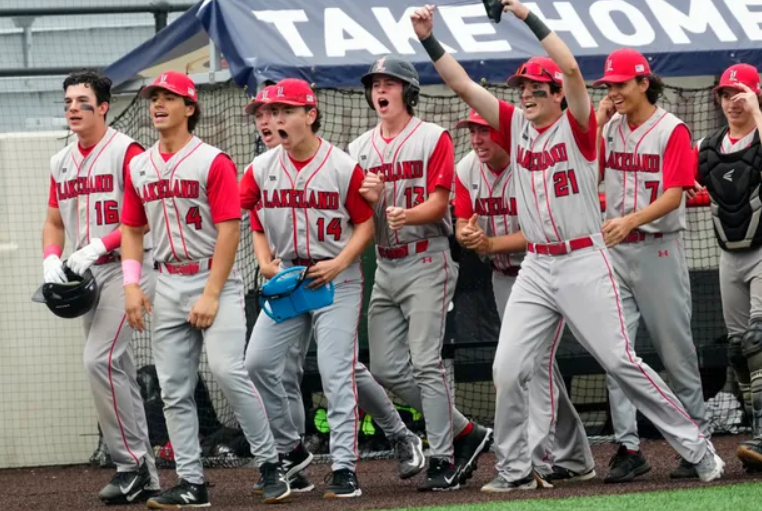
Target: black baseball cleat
[(128, 487), (183, 495), (343, 485), (441, 476), (409, 450), (626, 465), (684, 470), (468, 449), (300, 483), (295, 461), (561, 474), (276, 488)]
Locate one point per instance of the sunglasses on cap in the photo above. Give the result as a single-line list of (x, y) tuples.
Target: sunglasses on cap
[(534, 69)]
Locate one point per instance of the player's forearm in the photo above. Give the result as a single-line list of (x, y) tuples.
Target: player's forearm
[(53, 234), (262, 248), (228, 235), (669, 201), (358, 242), (132, 242), (455, 77), (432, 210), (507, 244)]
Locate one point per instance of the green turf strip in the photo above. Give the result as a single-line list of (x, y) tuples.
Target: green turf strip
[(739, 497)]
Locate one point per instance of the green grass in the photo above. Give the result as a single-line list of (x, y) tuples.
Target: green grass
[(739, 497)]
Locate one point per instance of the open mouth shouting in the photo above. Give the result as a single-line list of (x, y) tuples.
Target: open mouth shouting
[(160, 116), (383, 105), (283, 135)]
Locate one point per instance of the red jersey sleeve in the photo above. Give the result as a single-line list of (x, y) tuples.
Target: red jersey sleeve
[(256, 225), (133, 150), (222, 190), (248, 189), (602, 158), (585, 139), (133, 214), (52, 195), (441, 164), (358, 208), (679, 166), (696, 173), (506, 120), (463, 206)]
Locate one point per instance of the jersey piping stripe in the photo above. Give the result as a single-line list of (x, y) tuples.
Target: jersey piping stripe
[(489, 190), (293, 209), (354, 366), (78, 166), (622, 120), (113, 393), (623, 327), (89, 171), (174, 202), (441, 336), (553, 349), (733, 145), (164, 208), (394, 160), (306, 209)]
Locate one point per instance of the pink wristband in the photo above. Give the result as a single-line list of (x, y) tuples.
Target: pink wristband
[(52, 249), (131, 270), (112, 241)]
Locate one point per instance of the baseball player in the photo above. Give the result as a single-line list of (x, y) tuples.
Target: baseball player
[(309, 212), (567, 271), (646, 164), (185, 191), (371, 397), (487, 222), (409, 165), (729, 164), (86, 189)]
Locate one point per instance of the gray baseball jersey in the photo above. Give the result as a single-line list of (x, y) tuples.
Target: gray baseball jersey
[(639, 166), (567, 274), (492, 197), (633, 165), (89, 189), (174, 195), (404, 162)]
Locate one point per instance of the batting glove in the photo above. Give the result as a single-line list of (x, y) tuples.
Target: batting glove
[(81, 260), (52, 270)]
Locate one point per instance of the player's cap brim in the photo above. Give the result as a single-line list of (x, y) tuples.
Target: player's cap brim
[(734, 86), (467, 122), (290, 103), (613, 79), (148, 91), (515, 80), (252, 107)]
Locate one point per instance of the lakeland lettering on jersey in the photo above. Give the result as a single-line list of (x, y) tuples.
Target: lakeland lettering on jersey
[(181, 189), (542, 160), (85, 186), (401, 170), (633, 162), (492, 206), (289, 198)]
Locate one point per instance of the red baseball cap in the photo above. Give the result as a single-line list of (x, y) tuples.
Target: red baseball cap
[(623, 65), (294, 92), (473, 117), (264, 97), (174, 82), (494, 135), (537, 69), (740, 74)]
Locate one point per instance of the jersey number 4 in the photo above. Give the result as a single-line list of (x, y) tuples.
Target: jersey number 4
[(193, 217), (332, 229), (565, 183)]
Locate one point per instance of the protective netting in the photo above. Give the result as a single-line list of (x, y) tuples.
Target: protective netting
[(473, 323)]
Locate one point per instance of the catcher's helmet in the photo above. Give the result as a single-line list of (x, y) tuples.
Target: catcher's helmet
[(390, 65), (70, 299)]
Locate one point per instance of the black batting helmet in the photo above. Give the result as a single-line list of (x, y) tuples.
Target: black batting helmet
[(70, 299), (390, 65)]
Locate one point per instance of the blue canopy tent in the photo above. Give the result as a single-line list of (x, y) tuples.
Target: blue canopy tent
[(332, 42)]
